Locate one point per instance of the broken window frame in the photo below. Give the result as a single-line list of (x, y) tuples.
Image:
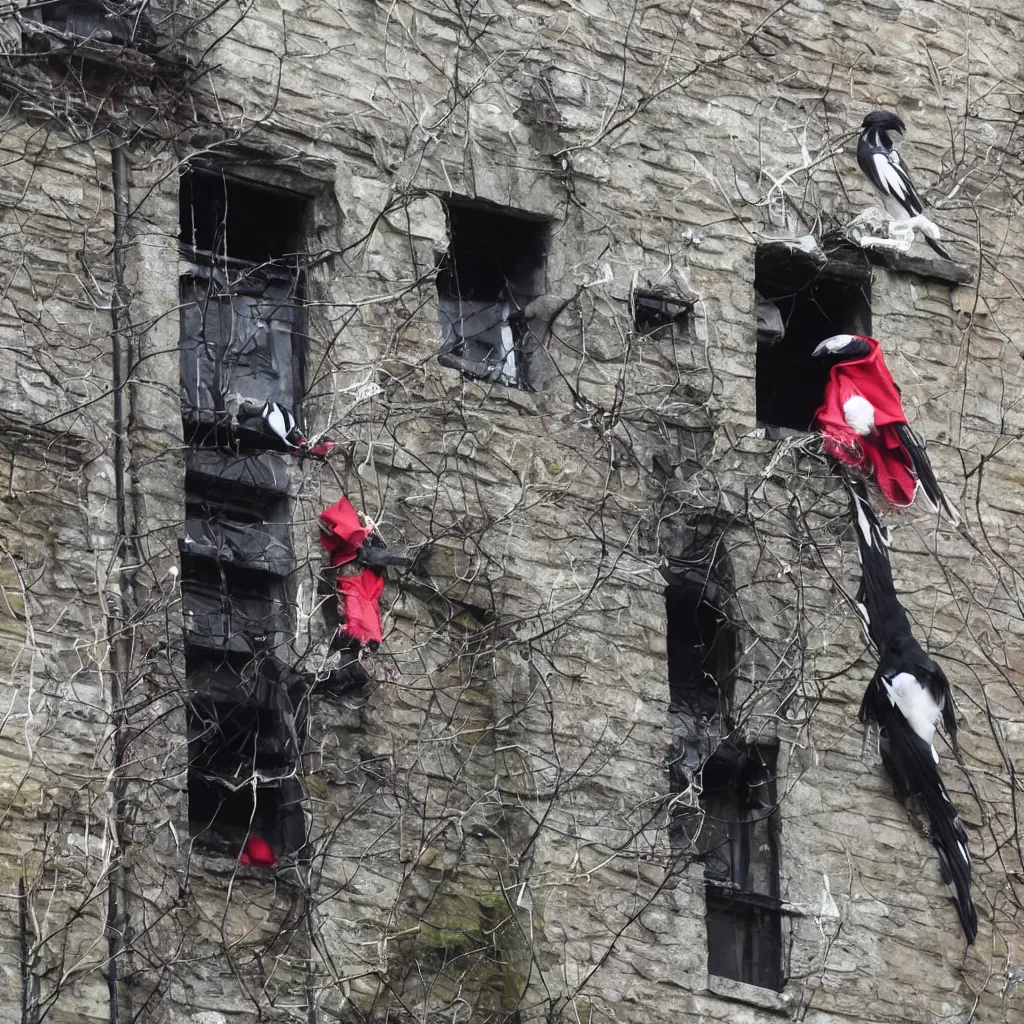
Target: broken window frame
[(789, 383), (742, 890), (484, 326), (226, 300), (245, 587), (236, 696)]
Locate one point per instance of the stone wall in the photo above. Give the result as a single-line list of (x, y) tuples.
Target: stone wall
[(489, 822)]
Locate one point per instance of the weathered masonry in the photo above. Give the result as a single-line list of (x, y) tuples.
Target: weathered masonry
[(422, 596)]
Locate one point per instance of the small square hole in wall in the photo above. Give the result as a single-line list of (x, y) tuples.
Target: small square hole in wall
[(657, 315), (493, 268), (800, 303)]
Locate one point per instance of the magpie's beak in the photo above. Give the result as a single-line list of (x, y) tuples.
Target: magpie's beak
[(853, 348)]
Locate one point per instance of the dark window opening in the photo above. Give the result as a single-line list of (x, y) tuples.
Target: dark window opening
[(807, 302), (242, 342), (235, 742), (87, 19), (492, 270), (701, 644), (242, 757), (259, 479), (242, 306), (227, 607), (221, 818), (655, 314), (739, 844), (254, 538), (228, 219)]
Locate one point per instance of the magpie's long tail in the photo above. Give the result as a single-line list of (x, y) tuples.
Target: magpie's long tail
[(881, 612), (923, 470), (938, 247), (909, 763)]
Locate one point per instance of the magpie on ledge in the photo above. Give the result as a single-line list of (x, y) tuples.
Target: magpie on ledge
[(883, 167)]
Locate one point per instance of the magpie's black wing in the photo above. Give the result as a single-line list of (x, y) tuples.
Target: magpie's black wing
[(909, 763), (883, 168), (923, 470), (884, 617)]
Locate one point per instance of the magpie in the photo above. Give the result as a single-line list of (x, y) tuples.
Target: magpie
[(879, 160), (275, 423), (865, 371), (907, 697), (279, 421)]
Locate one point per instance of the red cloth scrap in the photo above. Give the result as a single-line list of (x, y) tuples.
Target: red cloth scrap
[(342, 534), (881, 453), (359, 597), (257, 853)]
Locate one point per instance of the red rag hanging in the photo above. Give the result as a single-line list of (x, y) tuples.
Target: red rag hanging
[(257, 853), (343, 533), (360, 597), (881, 450)]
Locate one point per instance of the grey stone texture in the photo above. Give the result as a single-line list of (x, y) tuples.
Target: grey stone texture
[(489, 823)]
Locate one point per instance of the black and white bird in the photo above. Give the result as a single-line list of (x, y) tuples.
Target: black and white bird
[(879, 160), (863, 419), (276, 423), (907, 698)]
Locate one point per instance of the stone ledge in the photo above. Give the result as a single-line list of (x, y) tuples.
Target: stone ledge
[(921, 266), (740, 992)]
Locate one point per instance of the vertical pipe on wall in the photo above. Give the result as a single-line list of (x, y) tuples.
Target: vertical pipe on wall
[(121, 646)]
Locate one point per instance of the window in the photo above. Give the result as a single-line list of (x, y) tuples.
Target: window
[(740, 848), (491, 271), (655, 314), (241, 344), (87, 19), (242, 313), (700, 644), (245, 719), (801, 302)]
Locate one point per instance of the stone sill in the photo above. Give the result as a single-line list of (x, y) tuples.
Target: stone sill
[(921, 266), (739, 992)]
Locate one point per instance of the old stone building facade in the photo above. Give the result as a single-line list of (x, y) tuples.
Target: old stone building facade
[(504, 254)]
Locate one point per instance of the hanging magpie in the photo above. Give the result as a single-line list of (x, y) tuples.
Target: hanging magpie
[(906, 698), (862, 393), (879, 160)]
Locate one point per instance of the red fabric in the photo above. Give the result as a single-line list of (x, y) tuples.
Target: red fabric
[(341, 532), (257, 853), (360, 596), (320, 450), (881, 452)]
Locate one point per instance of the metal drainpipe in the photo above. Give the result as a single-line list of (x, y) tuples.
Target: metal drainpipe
[(124, 562)]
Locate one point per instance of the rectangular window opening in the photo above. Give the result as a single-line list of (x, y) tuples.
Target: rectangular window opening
[(491, 271), (241, 777), (251, 537), (799, 304), (231, 608), (226, 219), (701, 645), (242, 313), (87, 19), (739, 844)]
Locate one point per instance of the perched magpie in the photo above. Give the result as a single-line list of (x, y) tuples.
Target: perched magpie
[(862, 391), (275, 423), (879, 160), (907, 697), (279, 421)]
